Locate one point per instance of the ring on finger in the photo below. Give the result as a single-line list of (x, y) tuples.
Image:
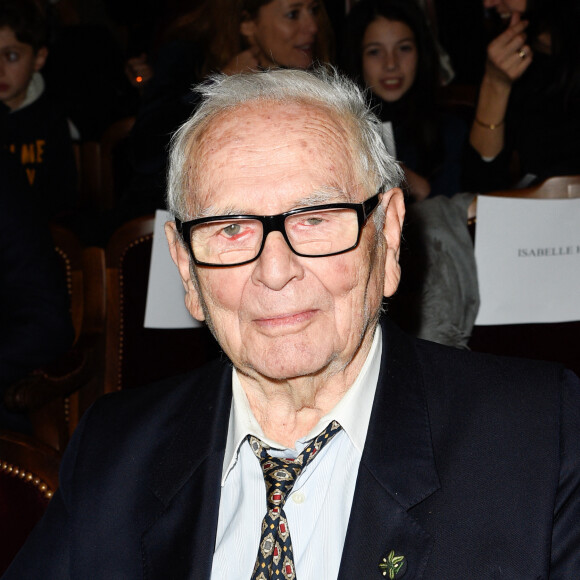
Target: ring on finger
[(521, 53)]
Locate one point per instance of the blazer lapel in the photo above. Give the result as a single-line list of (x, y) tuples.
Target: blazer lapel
[(187, 483), (397, 471)]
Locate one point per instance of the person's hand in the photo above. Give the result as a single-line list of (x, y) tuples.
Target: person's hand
[(508, 55), (138, 70), (245, 61)]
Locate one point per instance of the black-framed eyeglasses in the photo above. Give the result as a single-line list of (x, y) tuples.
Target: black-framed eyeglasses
[(311, 232)]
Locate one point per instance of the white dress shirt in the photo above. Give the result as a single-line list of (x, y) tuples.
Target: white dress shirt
[(318, 508)]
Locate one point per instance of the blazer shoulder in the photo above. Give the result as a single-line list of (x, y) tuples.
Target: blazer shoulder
[(452, 362), (496, 393), (149, 416), (192, 386)]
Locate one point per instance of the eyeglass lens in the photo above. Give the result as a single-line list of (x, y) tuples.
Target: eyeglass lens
[(310, 233)]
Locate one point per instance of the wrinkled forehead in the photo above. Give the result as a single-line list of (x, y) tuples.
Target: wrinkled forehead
[(266, 139)]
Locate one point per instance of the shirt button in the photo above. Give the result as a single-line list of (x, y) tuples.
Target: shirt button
[(298, 497)]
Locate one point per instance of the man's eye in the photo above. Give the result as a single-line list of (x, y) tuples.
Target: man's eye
[(232, 230), (293, 14), (314, 221), (12, 56), (407, 48)]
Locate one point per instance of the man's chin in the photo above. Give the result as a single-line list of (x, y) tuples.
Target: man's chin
[(288, 365)]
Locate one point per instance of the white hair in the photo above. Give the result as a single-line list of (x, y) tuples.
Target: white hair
[(322, 87)]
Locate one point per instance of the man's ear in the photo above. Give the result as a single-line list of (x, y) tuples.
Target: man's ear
[(394, 204), (180, 257), (40, 58)]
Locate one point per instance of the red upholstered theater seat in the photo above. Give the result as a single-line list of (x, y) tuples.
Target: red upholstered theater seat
[(28, 478)]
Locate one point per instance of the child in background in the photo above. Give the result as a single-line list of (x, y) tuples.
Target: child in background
[(35, 144)]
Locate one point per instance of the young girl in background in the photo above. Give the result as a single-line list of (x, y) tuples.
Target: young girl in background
[(391, 51)]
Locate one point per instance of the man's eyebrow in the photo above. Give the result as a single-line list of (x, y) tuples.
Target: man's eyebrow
[(211, 211), (318, 197), (322, 196)]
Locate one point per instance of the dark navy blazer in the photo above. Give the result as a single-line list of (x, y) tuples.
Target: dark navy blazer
[(471, 470)]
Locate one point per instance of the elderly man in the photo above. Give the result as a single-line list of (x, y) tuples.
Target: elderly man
[(333, 446)]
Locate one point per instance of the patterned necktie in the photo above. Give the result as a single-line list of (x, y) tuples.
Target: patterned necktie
[(275, 558)]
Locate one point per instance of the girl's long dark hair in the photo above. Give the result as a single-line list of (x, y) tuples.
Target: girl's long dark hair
[(418, 107)]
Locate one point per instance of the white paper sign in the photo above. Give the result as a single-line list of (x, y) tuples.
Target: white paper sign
[(528, 260), (165, 306)]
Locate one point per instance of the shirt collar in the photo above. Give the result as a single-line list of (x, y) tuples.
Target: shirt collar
[(33, 92), (353, 411)]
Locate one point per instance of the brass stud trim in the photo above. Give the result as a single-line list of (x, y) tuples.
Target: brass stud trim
[(16, 471), (134, 243)]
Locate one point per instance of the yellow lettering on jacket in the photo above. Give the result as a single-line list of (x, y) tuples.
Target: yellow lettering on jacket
[(31, 174), (40, 143), (27, 154)]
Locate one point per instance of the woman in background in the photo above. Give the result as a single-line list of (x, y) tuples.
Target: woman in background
[(391, 51), (527, 122), (261, 34), (237, 36)]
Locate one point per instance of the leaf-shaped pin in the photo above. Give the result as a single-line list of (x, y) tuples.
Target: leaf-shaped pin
[(391, 565)]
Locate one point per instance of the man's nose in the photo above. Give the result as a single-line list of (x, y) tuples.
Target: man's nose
[(277, 264)]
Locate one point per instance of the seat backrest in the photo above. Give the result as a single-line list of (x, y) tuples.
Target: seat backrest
[(28, 479), (115, 171), (558, 187), (51, 396), (39, 394), (101, 167), (136, 355), (84, 271), (69, 250), (88, 156)]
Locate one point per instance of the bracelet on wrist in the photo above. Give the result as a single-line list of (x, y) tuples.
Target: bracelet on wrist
[(491, 126)]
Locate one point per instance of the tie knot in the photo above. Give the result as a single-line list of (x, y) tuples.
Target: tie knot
[(281, 473)]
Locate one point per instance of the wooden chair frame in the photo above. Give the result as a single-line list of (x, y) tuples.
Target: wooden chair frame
[(137, 231), (51, 395)]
